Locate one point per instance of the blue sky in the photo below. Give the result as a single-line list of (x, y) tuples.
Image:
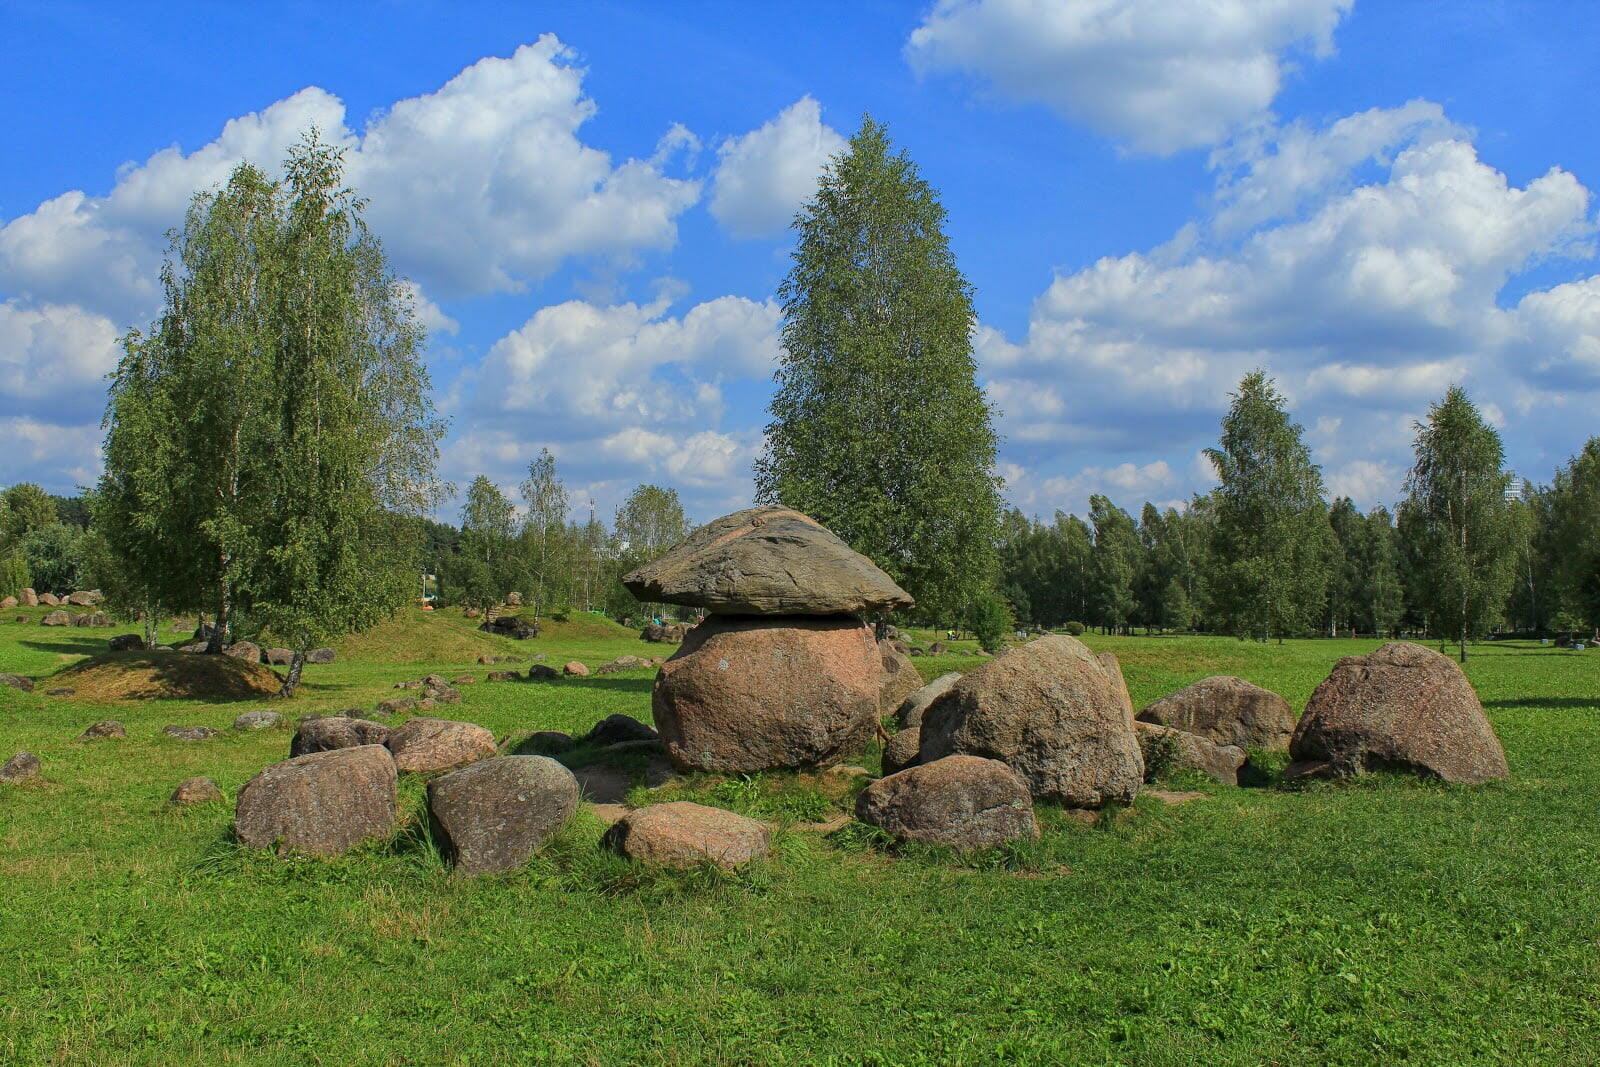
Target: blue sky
[(1151, 197)]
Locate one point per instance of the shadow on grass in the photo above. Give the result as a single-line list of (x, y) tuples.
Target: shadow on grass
[(83, 646)]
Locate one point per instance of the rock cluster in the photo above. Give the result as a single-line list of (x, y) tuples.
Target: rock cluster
[(783, 673)]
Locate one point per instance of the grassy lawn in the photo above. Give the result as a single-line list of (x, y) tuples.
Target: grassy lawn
[(1380, 920)]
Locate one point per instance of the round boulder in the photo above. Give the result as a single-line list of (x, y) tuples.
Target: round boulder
[(126, 643), (245, 650), (574, 669), (496, 813), (20, 768), (56, 618), (965, 802), (264, 720), (1226, 711), (333, 733), (324, 803), (683, 834), (745, 694), (438, 744), (1047, 710), (1403, 707)]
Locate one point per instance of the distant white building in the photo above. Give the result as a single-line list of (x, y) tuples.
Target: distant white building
[(1516, 488)]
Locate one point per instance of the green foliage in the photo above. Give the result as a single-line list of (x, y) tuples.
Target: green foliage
[(879, 429), (24, 508), (1117, 558), (1462, 531), (14, 576), (1162, 754), (649, 522), (1075, 629), (272, 437), (1271, 540), (990, 621), (54, 555), (544, 532)]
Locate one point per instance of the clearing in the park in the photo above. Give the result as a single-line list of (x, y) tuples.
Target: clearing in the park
[(1381, 917)]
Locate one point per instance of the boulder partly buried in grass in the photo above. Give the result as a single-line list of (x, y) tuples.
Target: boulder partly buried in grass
[(1166, 750), (335, 732), (1403, 708), (258, 720), (16, 681), (439, 744), (1227, 711), (20, 769), (683, 834), (192, 791), (108, 729), (964, 802), (324, 803), (497, 812), (1047, 710), (615, 729), (180, 732)]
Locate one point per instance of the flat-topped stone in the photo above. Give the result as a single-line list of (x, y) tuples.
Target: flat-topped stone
[(767, 561)]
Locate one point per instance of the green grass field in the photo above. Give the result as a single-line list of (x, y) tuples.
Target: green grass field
[(1380, 920)]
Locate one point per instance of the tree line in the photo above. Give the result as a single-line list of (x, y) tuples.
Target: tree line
[(1467, 551)]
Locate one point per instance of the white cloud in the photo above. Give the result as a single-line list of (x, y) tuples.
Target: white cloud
[(57, 455), (1159, 75), (764, 176), (481, 186), (1367, 279), (54, 360)]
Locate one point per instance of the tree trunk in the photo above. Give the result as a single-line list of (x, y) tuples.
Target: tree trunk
[(292, 682), (219, 631)]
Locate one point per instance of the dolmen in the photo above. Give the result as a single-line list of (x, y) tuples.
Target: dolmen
[(783, 673)]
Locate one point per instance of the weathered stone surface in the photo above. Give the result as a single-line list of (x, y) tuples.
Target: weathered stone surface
[(126, 643), (1047, 710), (516, 627), (900, 678), (1403, 707), (937, 648), (29, 598), (84, 598), (767, 561), (278, 657), (1228, 711), (623, 663), (464, 679), (965, 802), (8, 602), (502, 676), (20, 768), (49, 600), (396, 706), (514, 600), (496, 813), (16, 681), (57, 618), (104, 730), (320, 655), (190, 733), (263, 720), (682, 834), (193, 647), (574, 669), (325, 802), (909, 714), (60, 691), (92, 618), (616, 729), (335, 732), (1113, 668), (439, 744), (664, 633), (192, 791), (753, 694), (245, 650), (1221, 762), (902, 750), (542, 672)]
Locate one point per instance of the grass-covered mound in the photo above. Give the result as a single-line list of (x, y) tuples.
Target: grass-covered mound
[(417, 636), (118, 676)]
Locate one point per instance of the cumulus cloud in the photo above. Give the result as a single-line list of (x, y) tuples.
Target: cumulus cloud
[(481, 186), (54, 360), (763, 177), (1158, 75), (1367, 278)]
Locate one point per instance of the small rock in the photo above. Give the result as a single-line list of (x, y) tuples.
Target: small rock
[(683, 834), (57, 618), (17, 681), (21, 768), (464, 679), (574, 669), (59, 692), (9, 602), (320, 655), (439, 744), (615, 729), (126, 643), (107, 729), (336, 732), (542, 672), (193, 791), (496, 813), (245, 650), (965, 802), (415, 683), (396, 706), (279, 657), (502, 676), (258, 720), (191, 733), (623, 663)]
